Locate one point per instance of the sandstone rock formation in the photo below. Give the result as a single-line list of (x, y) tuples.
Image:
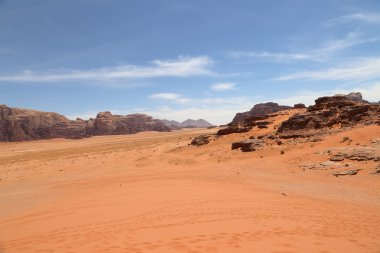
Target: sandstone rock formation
[(259, 110), (106, 124), (328, 113), (258, 116), (23, 124)]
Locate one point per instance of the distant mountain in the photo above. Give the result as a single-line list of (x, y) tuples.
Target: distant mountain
[(171, 122), (189, 123), (195, 123)]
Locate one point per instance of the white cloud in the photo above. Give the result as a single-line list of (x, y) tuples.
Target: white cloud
[(368, 17), (363, 70), (180, 67), (323, 52), (173, 97), (223, 86)]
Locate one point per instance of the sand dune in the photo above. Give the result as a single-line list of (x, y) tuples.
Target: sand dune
[(151, 192)]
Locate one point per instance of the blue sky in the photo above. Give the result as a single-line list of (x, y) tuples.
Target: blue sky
[(179, 59)]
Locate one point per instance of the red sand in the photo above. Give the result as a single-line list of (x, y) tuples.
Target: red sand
[(151, 192)]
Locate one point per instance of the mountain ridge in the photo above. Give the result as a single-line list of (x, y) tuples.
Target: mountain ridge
[(189, 123)]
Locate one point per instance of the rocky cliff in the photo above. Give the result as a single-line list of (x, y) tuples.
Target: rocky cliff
[(23, 124)]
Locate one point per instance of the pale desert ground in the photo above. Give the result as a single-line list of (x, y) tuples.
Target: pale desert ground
[(152, 192)]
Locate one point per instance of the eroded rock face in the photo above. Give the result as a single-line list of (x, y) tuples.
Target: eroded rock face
[(331, 112), (23, 124), (259, 110)]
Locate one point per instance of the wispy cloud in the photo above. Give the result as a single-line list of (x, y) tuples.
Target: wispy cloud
[(223, 86), (172, 97), (331, 47), (271, 56), (180, 67), (321, 53), (182, 99), (367, 17), (366, 69)]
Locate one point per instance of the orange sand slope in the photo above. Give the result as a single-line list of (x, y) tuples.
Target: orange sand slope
[(151, 192)]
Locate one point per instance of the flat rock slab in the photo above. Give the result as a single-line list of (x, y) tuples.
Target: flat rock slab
[(345, 173)]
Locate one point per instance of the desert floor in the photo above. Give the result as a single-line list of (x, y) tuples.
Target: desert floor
[(152, 192)]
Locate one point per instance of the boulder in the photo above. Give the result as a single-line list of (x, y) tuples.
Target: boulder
[(248, 145), (201, 140)]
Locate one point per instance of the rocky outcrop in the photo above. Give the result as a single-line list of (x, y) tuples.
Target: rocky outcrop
[(259, 110), (23, 124), (258, 116), (357, 154), (254, 121), (331, 112)]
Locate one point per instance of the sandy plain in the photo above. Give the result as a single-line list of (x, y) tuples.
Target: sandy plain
[(152, 192)]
